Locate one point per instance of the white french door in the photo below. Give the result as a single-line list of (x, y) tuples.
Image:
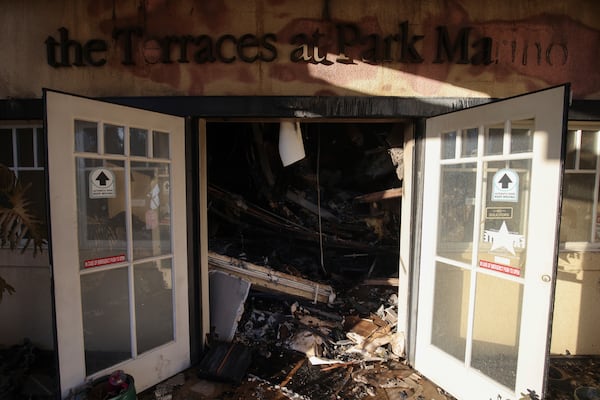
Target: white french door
[(118, 240), (489, 245)]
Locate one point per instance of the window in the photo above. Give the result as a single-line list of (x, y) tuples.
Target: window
[(22, 150), (122, 173), (580, 220)]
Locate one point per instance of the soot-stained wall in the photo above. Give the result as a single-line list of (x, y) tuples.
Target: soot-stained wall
[(438, 48)]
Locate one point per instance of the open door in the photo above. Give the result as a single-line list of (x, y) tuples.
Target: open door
[(118, 240), (489, 245)]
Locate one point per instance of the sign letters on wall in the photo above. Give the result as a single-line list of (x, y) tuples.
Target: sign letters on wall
[(349, 43)]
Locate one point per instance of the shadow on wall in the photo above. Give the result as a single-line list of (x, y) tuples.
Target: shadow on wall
[(576, 324), (342, 49), (27, 313)]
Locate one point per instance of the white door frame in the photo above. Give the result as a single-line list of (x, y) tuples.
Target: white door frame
[(548, 107), (155, 365)]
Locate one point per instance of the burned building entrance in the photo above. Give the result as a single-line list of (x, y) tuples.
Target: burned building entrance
[(333, 213), (479, 164), (312, 232), (328, 212)]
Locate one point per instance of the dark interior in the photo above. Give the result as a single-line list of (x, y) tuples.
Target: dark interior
[(313, 217)]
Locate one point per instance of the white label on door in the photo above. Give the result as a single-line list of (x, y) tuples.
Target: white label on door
[(102, 184), (505, 186)]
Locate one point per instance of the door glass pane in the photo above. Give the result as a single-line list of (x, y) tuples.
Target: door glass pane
[(25, 147), (456, 211), (153, 304), (496, 328), (578, 206), (448, 145), (138, 142), (494, 140), (101, 212), (521, 136), (469, 142), (86, 136), (450, 309), (505, 209), (160, 144), (106, 324), (151, 211), (114, 139)]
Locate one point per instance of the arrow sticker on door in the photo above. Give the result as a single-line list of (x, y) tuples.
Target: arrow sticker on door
[(505, 186), (102, 184)]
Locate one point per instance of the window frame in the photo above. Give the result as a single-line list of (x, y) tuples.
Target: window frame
[(593, 244), (39, 163), (38, 127)]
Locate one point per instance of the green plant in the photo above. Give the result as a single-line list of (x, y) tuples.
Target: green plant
[(19, 226)]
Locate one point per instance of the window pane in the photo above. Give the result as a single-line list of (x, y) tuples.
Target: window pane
[(450, 310), (101, 212), (494, 140), (456, 213), (588, 153), (153, 304), (576, 219), (86, 136), (496, 327), (6, 147), (505, 211), (160, 144), (36, 192), (571, 149), (448, 145), (151, 212), (138, 142), (25, 147), (106, 324), (114, 139), (469, 142), (522, 136)]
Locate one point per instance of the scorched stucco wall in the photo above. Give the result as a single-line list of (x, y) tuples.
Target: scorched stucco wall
[(511, 47)]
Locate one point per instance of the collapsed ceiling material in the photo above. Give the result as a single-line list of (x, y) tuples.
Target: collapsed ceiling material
[(334, 214), (296, 349), (323, 223)]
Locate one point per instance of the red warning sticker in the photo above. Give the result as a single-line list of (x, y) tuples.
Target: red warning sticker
[(506, 269), (104, 261)]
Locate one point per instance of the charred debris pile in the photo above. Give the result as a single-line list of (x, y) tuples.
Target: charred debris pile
[(303, 263), (334, 215)]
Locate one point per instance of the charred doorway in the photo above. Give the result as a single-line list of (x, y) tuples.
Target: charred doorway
[(332, 216)]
